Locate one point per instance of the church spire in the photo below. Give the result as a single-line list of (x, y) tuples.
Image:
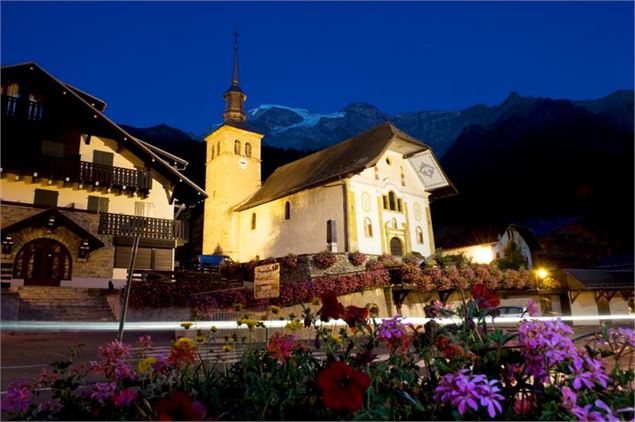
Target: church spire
[(235, 73), (234, 96)]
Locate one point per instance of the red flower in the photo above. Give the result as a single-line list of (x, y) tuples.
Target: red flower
[(178, 406), (355, 316), (484, 297), (331, 308), (342, 387)]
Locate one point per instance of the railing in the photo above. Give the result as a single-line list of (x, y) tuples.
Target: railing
[(19, 107), (146, 227), (83, 172)]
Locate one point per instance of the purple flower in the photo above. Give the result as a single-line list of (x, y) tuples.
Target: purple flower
[(102, 390), (115, 350), (392, 329), (569, 398), (18, 397), (544, 344), (124, 397), (581, 378), (466, 392)]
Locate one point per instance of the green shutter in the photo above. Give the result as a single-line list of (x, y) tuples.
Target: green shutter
[(102, 157), (52, 149), (98, 204), (46, 197)]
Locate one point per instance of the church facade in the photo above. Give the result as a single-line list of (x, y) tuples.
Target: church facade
[(370, 193)]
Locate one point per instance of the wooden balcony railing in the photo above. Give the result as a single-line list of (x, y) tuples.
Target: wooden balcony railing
[(146, 227), (22, 108), (83, 172)]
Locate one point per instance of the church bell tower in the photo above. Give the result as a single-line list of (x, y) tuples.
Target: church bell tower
[(232, 172)]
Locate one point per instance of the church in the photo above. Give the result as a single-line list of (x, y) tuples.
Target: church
[(369, 194)]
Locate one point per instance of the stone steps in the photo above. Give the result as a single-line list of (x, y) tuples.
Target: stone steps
[(63, 304)]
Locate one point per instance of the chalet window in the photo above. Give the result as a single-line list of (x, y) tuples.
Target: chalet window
[(287, 210), (97, 204), (52, 149), (368, 227), (253, 221), (237, 147), (403, 177), (46, 197), (35, 110), (103, 157), (419, 235), (159, 259), (143, 209), (11, 90), (248, 149), (392, 201)]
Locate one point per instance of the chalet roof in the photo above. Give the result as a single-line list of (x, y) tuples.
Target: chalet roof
[(351, 156), (185, 189), (586, 279), (42, 219)]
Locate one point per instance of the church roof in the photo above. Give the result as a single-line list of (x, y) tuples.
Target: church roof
[(351, 156)]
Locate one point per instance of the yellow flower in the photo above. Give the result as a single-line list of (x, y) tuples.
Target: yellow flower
[(145, 364), (250, 323), (337, 340), (315, 301), (275, 310), (186, 325), (238, 307), (201, 339), (184, 343), (294, 325), (227, 348), (213, 329)]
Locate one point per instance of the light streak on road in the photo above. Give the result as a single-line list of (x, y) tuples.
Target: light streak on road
[(41, 326)]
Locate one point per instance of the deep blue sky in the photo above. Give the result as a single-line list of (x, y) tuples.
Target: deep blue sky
[(170, 62)]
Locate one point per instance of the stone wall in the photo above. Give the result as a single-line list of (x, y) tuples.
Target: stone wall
[(99, 263)]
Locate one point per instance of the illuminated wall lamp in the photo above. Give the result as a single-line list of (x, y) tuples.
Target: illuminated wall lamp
[(7, 245), (84, 249)]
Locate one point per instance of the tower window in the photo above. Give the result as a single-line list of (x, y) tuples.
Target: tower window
[(218, 149), (393, 223), (287, 210), (213, 153), (403, 177), (419, 235), (392, 201), (237, 147), (376, 173), (253, 221), (385, 199), (248, 149), (399, 205), (368, 227)]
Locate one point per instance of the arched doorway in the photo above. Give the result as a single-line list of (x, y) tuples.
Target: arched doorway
[(396, 247), (43, 262)]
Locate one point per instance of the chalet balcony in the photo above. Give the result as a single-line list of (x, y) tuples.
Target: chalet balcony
[(146, 227), (22, 108), (82, 172)]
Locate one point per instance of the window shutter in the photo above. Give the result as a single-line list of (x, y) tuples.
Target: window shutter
[(103, 157), (45, 197), (162, 259), (52, 149)]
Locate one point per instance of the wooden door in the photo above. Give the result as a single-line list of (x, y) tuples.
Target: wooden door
[(43, 262)]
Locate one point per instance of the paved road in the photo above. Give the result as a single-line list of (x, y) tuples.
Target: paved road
[(25, 354)]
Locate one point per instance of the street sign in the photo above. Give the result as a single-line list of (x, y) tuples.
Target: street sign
[(267, 281)]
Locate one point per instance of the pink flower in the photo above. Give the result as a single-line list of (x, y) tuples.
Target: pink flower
[(569, 398), (124, 397), (466, 392), (102, 391), (145, 342), (281, 346), (532, 308)]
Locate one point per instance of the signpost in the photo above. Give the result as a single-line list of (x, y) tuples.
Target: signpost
[(267, 281)]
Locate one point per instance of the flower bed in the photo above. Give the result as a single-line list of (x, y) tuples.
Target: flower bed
[(462, 371)]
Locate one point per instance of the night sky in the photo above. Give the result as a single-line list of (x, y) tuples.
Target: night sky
[(170, 62)]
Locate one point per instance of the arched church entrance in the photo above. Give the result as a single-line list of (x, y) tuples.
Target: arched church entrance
[(396, 247), (42, 262)]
